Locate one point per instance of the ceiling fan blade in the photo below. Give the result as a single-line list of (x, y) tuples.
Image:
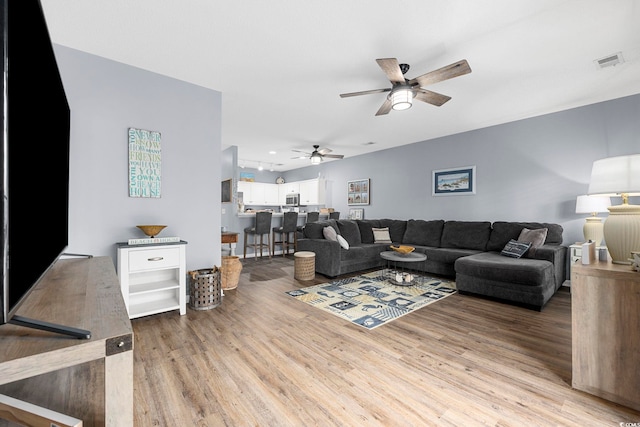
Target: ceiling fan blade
[(430, 97), (384, 108), (364, 92), (391, 68), (303, 152), (450, 71), (333, 156), (324, 151), (300, 157)]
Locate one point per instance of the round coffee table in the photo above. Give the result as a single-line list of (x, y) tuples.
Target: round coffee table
[(394, 258)]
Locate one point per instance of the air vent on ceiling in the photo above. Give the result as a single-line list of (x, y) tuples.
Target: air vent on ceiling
[(610, 60)]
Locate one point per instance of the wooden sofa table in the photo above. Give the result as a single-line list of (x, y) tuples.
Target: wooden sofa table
[(89, 379), (606, 331)]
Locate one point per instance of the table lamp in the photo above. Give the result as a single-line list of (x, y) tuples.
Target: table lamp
[(619, 176), (593, 227)]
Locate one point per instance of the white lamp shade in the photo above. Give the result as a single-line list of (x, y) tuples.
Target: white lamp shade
[(616, 175), (619, 176), (401, 99), (592, 204)]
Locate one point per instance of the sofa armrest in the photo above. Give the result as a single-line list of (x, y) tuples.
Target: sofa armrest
[(557, 255), (327, 255)]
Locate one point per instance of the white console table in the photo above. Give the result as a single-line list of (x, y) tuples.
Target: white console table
[(153, 277)]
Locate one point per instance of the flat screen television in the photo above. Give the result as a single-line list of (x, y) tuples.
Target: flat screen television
[(35, 160)]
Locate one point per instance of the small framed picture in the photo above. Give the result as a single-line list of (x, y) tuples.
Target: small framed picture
[(355, 213), (358, 192), (456, 181), (226, 190)]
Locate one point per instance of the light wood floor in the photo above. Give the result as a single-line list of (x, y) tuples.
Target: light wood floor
[(264, 359)]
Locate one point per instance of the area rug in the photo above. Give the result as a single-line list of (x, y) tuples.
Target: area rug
[(370, 300)]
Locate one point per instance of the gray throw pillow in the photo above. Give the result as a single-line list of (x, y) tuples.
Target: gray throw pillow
[(535, 237)]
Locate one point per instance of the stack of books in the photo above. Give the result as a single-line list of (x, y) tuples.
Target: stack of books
[(152, 240)]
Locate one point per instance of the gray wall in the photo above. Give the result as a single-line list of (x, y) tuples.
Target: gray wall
[(529, 170), (106, 98)]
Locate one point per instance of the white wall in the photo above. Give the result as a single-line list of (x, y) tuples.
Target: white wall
[(106, 98)]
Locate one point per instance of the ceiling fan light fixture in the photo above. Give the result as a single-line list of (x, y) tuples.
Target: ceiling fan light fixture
[(401, 99), (315, 158)]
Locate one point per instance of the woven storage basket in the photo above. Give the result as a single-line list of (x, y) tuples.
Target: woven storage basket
[(231, 268), (304, 265), (204, 289)]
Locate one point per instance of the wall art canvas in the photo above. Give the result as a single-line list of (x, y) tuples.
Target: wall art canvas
[(456, 181), (358, 192), (145, 163), (247, 176)]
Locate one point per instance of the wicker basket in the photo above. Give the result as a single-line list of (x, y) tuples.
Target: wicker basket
[(304, 265), (204, 289), (231, 268)]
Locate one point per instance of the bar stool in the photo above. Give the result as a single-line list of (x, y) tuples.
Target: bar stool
[(311, 217), (334, 215), (289, 225), (261, 227)]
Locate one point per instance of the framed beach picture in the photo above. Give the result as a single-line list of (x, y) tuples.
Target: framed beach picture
[(358, 192), (456, 181)]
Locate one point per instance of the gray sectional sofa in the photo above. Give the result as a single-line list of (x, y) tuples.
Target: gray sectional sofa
[(469, 251)]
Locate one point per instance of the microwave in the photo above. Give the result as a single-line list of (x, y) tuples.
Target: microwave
[(292, 199)]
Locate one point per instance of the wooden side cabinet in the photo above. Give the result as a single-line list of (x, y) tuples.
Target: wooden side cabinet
[(153, 278), (606, 331)]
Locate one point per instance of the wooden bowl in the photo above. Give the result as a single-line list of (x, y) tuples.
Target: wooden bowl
[(151, 230), (403, 249)]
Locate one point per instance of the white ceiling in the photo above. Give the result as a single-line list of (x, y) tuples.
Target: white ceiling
[(281, 64)]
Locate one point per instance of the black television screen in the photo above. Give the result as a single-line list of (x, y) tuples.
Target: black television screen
[(35, 156)]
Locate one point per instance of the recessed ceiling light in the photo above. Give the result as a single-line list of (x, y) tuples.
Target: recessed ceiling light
[(272, 152)]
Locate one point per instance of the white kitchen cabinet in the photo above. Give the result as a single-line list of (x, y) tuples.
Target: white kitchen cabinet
[(153, 278), (312, 192), (271, 195), (287, 188), (259, 193)]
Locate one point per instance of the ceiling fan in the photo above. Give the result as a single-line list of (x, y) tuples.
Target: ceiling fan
[(318, 155), (403, 91)]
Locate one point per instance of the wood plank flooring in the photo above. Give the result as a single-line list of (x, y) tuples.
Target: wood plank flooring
[(264, 359)]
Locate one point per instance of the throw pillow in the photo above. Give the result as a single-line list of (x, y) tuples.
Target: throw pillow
[(330, 233), (535, 237), (343, 242), (381, 235), (515, 249)]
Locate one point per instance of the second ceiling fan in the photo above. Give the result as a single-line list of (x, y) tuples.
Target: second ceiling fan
[(318, 155), (403, 91)]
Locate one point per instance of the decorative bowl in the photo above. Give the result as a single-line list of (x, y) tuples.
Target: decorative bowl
[(151, 230), (403, 249)]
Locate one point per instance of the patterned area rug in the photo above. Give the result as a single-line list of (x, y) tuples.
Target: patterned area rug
[(370, 300)]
